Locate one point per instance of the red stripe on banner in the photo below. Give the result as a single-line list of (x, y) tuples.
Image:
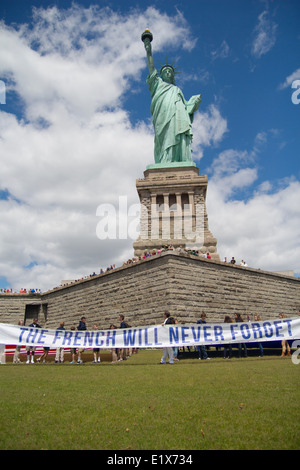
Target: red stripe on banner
[(10, 349)]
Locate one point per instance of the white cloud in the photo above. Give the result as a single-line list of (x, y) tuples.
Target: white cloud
[(76, 147), (264, 35), (289, 80), (83, 57), (209, 128), (222, 52), (264, 229), (267, 227)]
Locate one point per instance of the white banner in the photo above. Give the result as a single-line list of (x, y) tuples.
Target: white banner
[(154, 336)]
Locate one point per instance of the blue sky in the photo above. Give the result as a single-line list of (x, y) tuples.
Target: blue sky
[(76, 132)]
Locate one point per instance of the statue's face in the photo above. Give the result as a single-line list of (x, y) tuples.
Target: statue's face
[(167, 75)]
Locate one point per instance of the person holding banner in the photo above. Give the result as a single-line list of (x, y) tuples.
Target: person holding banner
[(59, 356), (227, 319), (114, 351), (96, 351), (286, 350), (31, 349), (175, 349), (167, 352), (261, 349), (44, 355), (72, 350), (202, 349), (238, 319), (122, 352), (16, 358), (81, 327)]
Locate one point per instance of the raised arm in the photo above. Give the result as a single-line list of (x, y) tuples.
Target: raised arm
[(147, 38)]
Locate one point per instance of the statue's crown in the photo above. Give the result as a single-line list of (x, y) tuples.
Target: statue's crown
[(169, 66)]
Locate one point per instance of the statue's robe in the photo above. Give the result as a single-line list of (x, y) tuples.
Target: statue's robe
[(172, 119)]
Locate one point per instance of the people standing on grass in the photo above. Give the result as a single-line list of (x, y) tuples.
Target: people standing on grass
[(175, 349), (96, 351), (30, 350), (72, 350), (286, 350), (260, 346), (16, 358), (59, 356), (44, 355), (122, 356), (114, 351), (81, 327), (238, 319), (228, 346), (202, 349), (167, 352), (121, 353)]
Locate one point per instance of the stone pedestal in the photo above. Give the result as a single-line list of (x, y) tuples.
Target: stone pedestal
[(173, 211)]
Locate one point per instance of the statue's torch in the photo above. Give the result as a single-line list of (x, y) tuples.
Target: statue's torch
[(147, 36)]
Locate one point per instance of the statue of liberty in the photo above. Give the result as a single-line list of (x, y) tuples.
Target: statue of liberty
[(172, 115)]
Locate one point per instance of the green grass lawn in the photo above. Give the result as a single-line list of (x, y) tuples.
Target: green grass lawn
[(249, 403)]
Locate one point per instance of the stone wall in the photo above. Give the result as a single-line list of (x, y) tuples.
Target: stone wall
[(12, 306), (185, 285), (138, 291), (220, 289)]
